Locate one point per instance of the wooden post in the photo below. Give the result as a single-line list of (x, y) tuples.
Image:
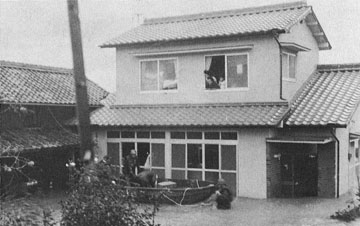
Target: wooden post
[(82, 106)]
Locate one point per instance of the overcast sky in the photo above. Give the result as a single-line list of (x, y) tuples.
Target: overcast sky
[(37, 32)]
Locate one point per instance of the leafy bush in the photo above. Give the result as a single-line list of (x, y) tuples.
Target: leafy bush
[(26, 215), (99, 198), (351, 212)]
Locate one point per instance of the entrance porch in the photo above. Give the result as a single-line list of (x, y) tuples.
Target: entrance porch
[(301, 168)]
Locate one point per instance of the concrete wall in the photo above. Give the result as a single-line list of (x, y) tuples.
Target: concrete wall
[(252, 162), (343, 135), (354, 125), (264, 72), (306, 60), (263, 82)]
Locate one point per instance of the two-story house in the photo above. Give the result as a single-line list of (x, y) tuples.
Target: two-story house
[(35, 103), (237, 95)]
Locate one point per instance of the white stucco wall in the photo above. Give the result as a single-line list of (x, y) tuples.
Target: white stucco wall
[(252, 162), (263, 75), (306, 60), (343, 135)]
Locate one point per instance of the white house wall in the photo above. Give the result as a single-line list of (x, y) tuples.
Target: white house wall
[(306, 61), (343, 135), (252, 162)]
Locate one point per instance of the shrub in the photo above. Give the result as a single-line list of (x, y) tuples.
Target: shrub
[(351, 212), (21, 213), (99, 198)]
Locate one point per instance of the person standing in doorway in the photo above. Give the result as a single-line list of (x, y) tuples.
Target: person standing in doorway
[(131, 165)]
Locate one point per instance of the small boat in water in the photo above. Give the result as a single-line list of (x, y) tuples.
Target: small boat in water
[(174, 191)]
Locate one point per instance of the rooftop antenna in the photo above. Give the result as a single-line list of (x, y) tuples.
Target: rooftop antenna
[(138, 16)]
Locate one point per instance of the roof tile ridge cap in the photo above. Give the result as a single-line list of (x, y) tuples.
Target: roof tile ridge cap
[(225, 13), (338, 67), (189, 105), (36, 67)]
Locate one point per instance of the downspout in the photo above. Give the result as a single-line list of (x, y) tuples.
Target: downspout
[(338, 162), (276, 35)]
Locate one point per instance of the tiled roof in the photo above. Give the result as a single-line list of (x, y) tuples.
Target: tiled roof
[(257, 20), (36, 138), (252, 114), (34, 84), (330, 97)]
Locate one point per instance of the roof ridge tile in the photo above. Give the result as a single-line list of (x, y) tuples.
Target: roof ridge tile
[(227, 13), (36, 67), (338, 67)]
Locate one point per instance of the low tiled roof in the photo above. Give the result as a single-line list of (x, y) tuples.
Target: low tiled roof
[(256, 20), (34, 84), (249, 114), (36, 138), (330, 97)]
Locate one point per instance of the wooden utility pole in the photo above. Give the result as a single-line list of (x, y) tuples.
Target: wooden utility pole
[(82, 106)]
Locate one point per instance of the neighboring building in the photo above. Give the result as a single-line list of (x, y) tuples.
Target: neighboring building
[(266, 117), (35, 102)]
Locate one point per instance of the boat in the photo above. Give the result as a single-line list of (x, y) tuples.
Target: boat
[(174, 191)]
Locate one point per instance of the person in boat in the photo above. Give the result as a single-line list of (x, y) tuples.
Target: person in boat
[(131, 165), (146, 178), (222, 197)]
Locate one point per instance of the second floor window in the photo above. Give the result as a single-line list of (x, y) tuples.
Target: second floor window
[(289, 66), (156, 75), (226, 71)]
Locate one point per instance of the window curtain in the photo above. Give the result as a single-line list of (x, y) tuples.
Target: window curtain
[(208, 63)]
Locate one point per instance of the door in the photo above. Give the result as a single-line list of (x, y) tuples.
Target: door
[(299, 174)]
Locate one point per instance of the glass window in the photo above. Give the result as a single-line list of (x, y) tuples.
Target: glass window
[(288, 65), (194, 156), (228, 157), (194, 135), (229, 136), (195, 175), (177, 135), (158, 155), (149, 76), (177, 174), (212, 176), (143, 151), (178, 155), (127, 134), (113, 151), (158, 135), (212, 136), (158, 75), (223, 72), (167, 74), (211, 156), (113, 134), (292, 68), (143, 134), (237, 71)]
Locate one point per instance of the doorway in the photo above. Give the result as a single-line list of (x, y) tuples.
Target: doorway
[(299, 174)]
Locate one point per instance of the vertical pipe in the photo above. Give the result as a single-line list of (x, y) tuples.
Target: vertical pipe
[(338, 163), (276, 35)]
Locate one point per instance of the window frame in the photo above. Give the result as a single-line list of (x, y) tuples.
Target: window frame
[(176, 59), (247, 54), (287, 78), (220, 142)]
